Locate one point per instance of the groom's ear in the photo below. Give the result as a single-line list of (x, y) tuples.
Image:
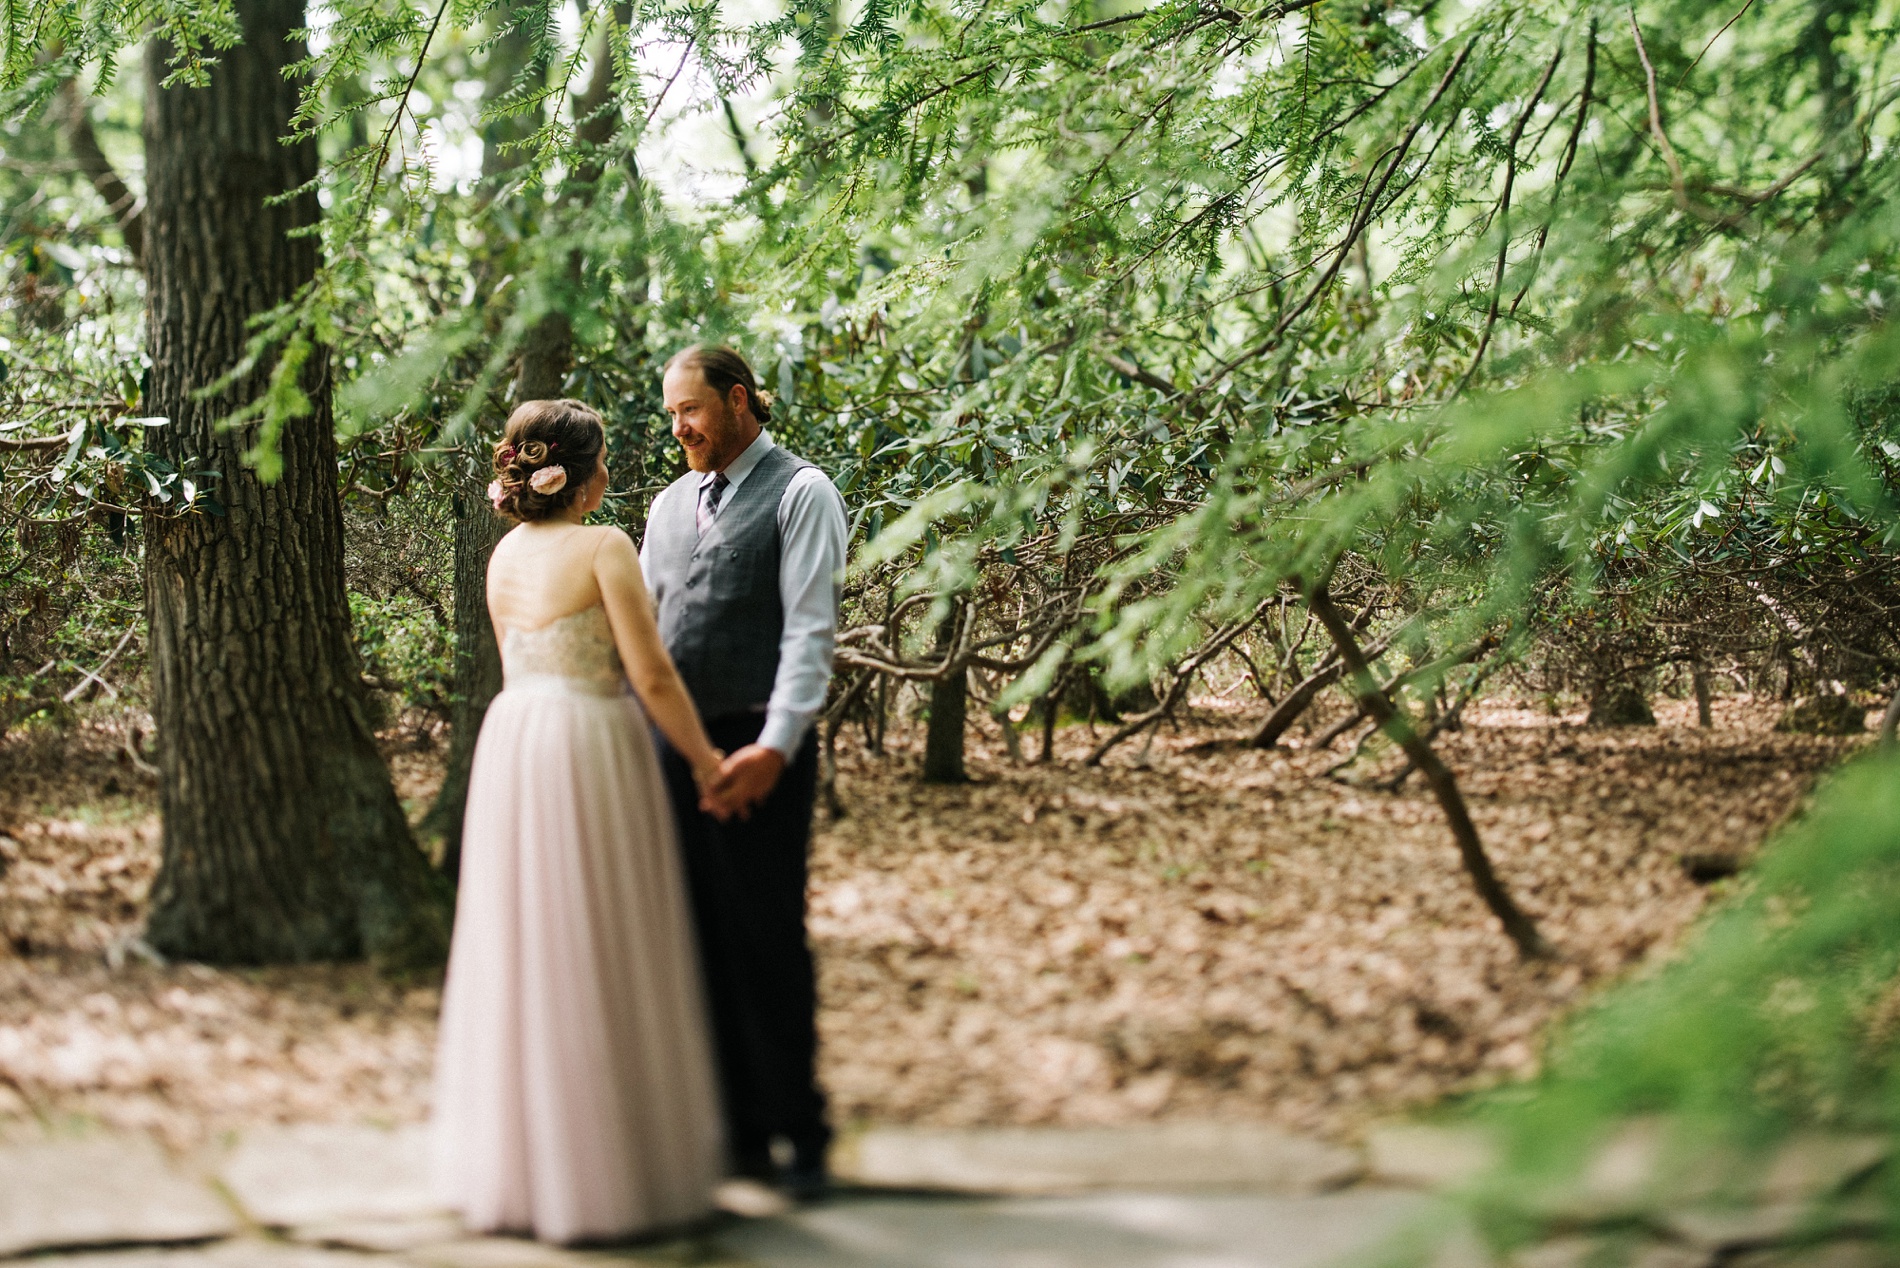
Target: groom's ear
[(737, 398)]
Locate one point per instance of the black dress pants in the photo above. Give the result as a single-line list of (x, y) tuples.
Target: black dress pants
[(747, 884)]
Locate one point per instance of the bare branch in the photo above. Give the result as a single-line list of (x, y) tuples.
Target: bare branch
[(1518, 926), (1655, 119), (33, 444)]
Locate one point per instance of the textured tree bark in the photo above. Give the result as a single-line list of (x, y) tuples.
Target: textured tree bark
[(283, 839), (547, 354)]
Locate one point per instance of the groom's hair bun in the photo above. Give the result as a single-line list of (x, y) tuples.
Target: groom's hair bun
[(541, 434), (725, 369)]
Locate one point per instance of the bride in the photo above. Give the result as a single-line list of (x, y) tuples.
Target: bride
[(575, 1095)]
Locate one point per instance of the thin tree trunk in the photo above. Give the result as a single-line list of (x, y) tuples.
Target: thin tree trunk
[(943, 740), (1051, 706), (547, 354), (283, 839), (477, 667), (949, 703), (544, 359), (477, 527), (1518, 926), (1296, 702), (1450, 661), (84, 144)]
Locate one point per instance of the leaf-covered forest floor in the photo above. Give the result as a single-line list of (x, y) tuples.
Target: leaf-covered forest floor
[(1212, 932)]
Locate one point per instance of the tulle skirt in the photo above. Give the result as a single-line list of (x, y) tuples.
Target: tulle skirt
[(575, 1096)]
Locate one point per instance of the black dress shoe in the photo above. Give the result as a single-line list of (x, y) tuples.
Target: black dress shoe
[(806, 1184), (755, 1164), (808, 1178)]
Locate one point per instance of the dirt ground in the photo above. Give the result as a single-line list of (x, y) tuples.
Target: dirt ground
[(1198, 931)]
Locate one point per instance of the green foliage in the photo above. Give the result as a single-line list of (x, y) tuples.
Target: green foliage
[(1515, 310), (1421, 285), (1780, 1016), (403, 643)]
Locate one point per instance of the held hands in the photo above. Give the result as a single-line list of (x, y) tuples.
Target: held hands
[(706, 774), (745, 779)]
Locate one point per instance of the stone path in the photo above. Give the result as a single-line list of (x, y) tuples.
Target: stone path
[(1206, 1195)]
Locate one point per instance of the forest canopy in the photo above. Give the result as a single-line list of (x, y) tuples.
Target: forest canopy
[(1512, 305)]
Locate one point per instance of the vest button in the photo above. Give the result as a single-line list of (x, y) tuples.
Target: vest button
[(691, 582), (735, 554)]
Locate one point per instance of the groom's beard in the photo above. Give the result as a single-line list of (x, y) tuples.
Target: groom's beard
[(721, 443)]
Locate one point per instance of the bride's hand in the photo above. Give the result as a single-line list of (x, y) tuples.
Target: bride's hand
[(706, 775), (707, 769)]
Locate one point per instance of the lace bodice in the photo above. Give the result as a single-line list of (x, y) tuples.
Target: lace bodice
[(578, 648)]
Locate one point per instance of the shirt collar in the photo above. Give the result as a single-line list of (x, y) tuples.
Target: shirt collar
[(741, 467)]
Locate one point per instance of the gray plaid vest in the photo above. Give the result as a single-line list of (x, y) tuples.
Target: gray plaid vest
[(717, 595)]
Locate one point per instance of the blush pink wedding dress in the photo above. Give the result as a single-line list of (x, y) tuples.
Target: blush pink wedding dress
[(575, 1097)]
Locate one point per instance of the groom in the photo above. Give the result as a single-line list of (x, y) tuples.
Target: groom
[(743, 555)]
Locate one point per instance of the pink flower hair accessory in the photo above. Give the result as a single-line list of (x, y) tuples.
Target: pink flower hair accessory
[(548, 480), (496, 493)]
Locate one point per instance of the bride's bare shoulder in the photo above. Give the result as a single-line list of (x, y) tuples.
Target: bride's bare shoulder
[(514, 538), (611, 542), (614, 550)]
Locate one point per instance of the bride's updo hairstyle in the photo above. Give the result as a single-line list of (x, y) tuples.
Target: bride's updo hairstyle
[(546, 455)]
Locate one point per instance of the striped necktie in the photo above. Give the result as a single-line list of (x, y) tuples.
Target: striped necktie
[(709, 502)]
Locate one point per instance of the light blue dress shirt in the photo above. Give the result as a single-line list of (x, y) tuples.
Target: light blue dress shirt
[(812, 537)]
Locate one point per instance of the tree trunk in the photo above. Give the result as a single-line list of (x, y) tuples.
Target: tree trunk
[(283, 839), (943, 740), (949, 703), (547, 354), (477, 528), (477, 666), (545, 357)]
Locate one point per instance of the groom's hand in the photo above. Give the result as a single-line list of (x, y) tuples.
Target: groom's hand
[(747, 777)]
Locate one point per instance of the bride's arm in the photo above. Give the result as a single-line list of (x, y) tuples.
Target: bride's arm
[(623, 592)]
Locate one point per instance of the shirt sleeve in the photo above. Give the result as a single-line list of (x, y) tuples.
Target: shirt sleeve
[(812, 531), (652, 506), (646, 555)]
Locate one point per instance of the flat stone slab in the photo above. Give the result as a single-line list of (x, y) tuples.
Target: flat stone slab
[(1119, 1230), (506, 1252), (1168, 1156), (1429, 1156), (1590, 1252), (235, 1254), (1639, 1171), (1848, 1254), (107, 1191), (1770, 1223), (382, 1235), (331, 1174)]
